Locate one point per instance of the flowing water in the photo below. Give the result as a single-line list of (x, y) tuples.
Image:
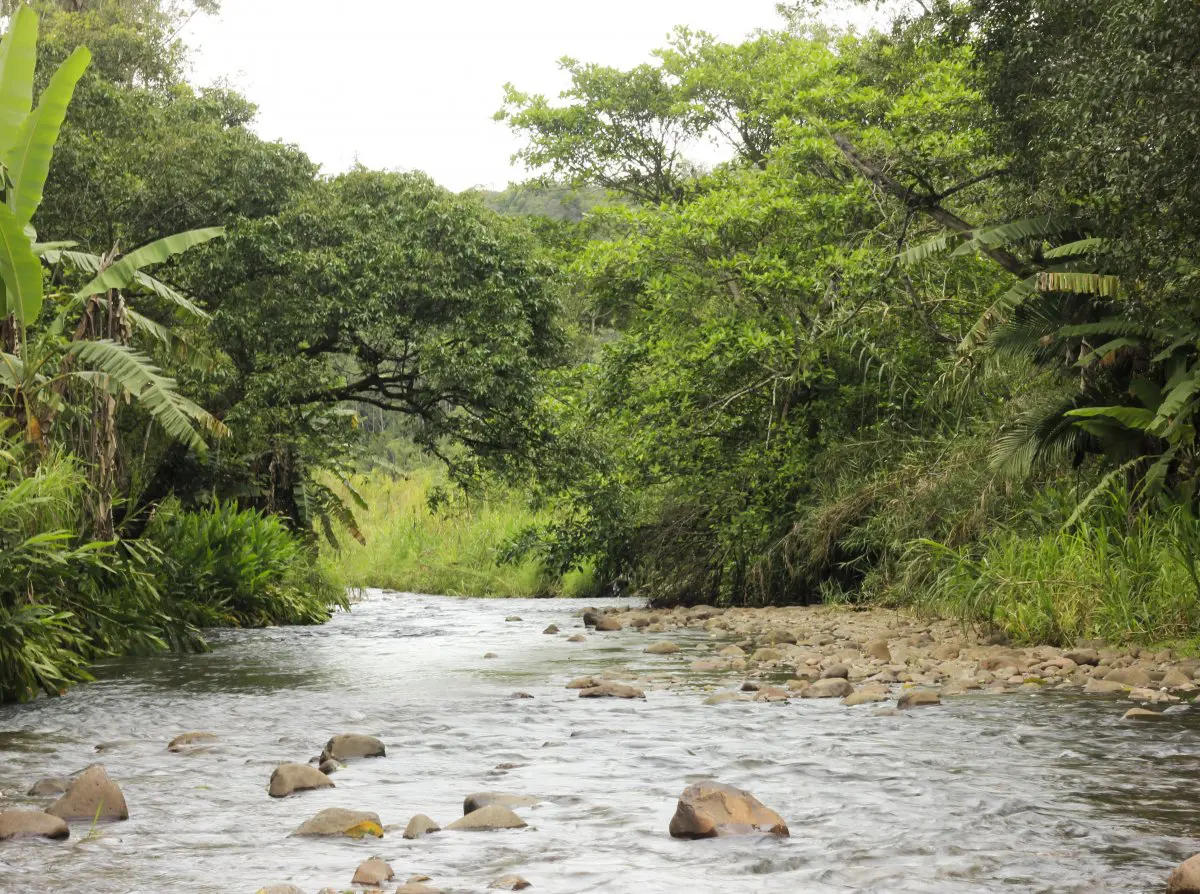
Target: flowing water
[(1016, 793)]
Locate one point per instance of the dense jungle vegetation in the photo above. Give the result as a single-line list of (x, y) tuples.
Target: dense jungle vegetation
[(930, 336)]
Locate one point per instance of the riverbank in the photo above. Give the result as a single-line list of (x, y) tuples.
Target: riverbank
[(876, 655)]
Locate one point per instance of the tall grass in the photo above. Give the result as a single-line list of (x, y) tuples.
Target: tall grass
[(1112, 577), (451, 545)]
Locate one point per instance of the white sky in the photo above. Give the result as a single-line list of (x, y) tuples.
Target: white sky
[(408, 85)]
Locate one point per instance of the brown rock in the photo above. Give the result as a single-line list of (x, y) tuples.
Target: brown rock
[(478, 800), (417, 888), (833, 687), (351, 745), (32, 824), (329, 767), (838, 670), (772, 694), (1083, 656), (291, 778), (864, 696), (1141, 714), (609, 689), (720, 698), (280, 889), (420, 825), (1103, 686), (664, 647), (487, 819), (583, 683), (577, 638), (733, 652), (335, 821), (879, 650), (766, 655), (1176, 679), (918, 698), (1185, 878), (608, 624), (553, 628), (714, 810), (511, 883), (1129, 676), (49, 785), (373, 872), (91, 795), (197, 741)]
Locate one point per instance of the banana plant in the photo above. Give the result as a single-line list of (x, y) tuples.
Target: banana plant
[(36, 372)]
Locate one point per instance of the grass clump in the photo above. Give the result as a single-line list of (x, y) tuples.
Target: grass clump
[(423, 537)]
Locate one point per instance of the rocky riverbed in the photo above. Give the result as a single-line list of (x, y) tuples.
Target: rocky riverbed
[(467, 745)]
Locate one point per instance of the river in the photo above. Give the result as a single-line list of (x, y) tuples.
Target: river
[(1038, 792)]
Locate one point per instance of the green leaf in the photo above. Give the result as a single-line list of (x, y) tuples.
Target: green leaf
[(133, 371), (1130, 417), (28, 159), (936, 245), (20, 270), (1147, 392), (1178, 396), (91, 264), (18, 57), (1073, 249), (125, 271)]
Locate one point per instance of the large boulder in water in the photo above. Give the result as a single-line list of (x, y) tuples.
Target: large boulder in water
[(1185, 878), (192, 742), (715, 810), (351, 745), (335, 821), (488, 819), (32, 824), (291, 778), (91, 795), (475, 801)]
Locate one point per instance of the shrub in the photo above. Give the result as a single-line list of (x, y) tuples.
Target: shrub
[(225, 566)]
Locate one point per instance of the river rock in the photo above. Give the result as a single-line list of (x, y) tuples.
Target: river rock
[(488, 819), (32, 824), (1185, 878), (714, 810), (583, 682), (609, 689), (553, 628), (1103, 686), (335, 821), (329, 767), (1140, 714), (766, 655), (838, 670), (918, 698), (511, 618), (732, 652), (291, 778), (720, 698), (577, 638), (1133, 677), (420, 825), (417, 888), (878, 649), (91, 795), (771, 694), (832, 687), (664, 647), (1083, 656), (864, 696), (1176, 679), (608, 624), (348, 746), (280, 889), (511, 883), (372, 872), (195, 741), (49, 786), (474, 802)]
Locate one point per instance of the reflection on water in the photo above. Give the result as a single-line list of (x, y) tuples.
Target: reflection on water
[(1038, 793)]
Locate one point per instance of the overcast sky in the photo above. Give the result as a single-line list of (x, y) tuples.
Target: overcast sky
[(408, 85)]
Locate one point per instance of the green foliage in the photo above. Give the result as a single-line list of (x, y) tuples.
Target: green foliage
[(226, 566), (421, 538)]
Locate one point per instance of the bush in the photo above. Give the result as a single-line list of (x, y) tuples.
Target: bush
[(225, 566), (1115, 576)]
